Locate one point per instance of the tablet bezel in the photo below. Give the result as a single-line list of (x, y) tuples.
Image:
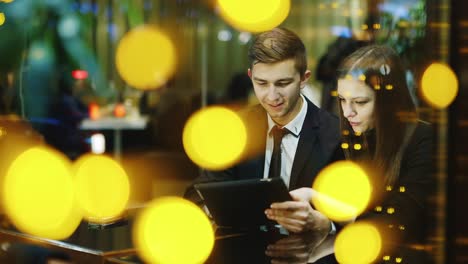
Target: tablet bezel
[(242, 203)]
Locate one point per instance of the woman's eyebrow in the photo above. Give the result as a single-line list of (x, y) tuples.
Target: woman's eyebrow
[(355, 98)]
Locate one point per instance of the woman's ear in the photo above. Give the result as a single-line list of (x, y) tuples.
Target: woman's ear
[(249, 73)]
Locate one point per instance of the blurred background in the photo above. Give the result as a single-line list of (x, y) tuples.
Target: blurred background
[(61, 84)]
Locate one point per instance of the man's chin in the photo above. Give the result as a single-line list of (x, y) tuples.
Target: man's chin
[(276, 115), (278, 112)]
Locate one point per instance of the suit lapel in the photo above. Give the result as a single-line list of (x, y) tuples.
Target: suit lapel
[(308, 146)]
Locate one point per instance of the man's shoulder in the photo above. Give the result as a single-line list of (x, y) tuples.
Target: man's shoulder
[(327, 116), (322, 118), (255, 121), (329, 125), (250, 110), (253, 116)]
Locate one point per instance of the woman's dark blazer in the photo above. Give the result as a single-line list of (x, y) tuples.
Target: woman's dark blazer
[(402, 212)]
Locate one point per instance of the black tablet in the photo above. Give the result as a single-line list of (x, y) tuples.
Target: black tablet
[(242, 203)]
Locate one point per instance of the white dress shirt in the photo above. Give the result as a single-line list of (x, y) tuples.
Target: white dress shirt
[(288, 144)]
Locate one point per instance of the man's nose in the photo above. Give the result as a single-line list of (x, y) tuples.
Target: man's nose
[(273, 93)]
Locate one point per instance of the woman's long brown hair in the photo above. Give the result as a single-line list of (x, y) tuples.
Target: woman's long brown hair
[(395, 113)]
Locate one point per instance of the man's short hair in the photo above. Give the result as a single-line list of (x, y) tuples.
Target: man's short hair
[(277, 45)]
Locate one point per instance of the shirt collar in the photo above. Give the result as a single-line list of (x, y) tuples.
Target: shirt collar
[(295, 126)]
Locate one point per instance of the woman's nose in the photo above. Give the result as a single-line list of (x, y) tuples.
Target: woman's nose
[(348, 110)]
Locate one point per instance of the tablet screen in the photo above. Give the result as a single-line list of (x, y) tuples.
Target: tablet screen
[(242, 203)]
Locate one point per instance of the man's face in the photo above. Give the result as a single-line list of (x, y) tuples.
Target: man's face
[(278, 87)]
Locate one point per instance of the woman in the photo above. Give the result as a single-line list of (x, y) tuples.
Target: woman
[(380, 123)]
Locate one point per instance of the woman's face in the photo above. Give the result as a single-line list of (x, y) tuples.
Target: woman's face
[(357, 102)]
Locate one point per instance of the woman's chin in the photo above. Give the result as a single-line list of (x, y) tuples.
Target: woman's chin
[(357, 130)]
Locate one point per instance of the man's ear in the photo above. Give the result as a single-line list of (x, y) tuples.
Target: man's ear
[(249, 73), (305, 78)]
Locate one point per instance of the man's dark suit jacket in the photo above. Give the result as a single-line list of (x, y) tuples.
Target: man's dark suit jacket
[(318, 146)]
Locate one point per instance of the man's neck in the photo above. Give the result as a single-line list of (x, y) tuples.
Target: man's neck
[(293, 114), (294, 125)]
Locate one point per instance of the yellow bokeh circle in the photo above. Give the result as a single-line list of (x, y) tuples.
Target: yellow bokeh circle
[(2, 18), (214, 137), (343, 191), (145, 58), (39, 196), (439, 85), (254, 16), (173, 230), (102, 187), (358, 243)]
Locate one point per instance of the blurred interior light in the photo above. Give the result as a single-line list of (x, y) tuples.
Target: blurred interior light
[(119, 110), (94, 111), (41, 55), (102, 188), (439, 85), (224, 35), (39, 195), (37, 51), (343, 191), (7, 1), (341, 31), (98, 143), (173, 230), (396, 9), (2, 18), (68, 26), (146, 57), (359, 12), (254, 16), (358, 242), (214, 137), (244, 37), (16, 136), (80, 74)]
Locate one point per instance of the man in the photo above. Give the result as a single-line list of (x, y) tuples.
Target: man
[(278, 70)]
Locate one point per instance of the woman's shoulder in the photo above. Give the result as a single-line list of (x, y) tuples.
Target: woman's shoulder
[(422, 139), (423, 129), (421, 124)]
